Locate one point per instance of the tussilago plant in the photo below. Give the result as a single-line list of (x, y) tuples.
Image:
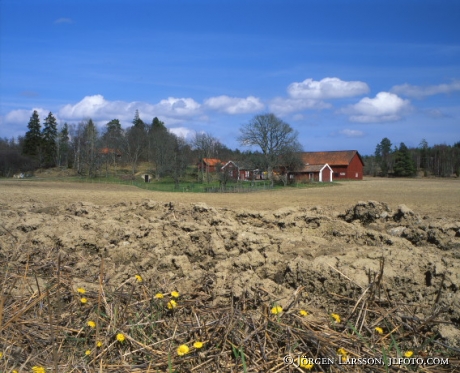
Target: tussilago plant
[(198, 344), (341, 351), (336, 317), (276, 310), (183, 350), (408, 354), (172, 304), (120, 337)]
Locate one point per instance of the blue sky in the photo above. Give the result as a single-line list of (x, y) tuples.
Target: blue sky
[(344, 74)]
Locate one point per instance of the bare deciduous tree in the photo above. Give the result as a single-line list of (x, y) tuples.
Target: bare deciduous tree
[(275, 138)]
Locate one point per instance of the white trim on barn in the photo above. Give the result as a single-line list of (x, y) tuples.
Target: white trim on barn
[(321, 173)]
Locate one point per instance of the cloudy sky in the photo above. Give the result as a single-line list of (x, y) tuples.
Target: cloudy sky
[(344, 74)]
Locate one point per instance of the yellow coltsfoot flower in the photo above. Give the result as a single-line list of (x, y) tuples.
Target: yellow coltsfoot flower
[(276, 310), (120, 337), (182, 350), (172, 304), (336, 317)]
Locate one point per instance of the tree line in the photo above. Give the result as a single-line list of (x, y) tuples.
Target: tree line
[(93, 152), (390, 160)]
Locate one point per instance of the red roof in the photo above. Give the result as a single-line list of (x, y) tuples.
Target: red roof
[(109, 151), (211, 161), (334, 158)]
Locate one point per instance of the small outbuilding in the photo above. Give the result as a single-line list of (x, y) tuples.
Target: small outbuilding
[(209, 165), (241, 171)]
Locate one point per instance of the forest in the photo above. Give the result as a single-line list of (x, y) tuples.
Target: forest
[(94, 152)]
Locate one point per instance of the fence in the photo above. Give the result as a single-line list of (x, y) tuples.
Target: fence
[(240, 188)]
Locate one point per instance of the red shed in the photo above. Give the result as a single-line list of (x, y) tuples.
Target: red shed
[(209, 164), (345, 164)]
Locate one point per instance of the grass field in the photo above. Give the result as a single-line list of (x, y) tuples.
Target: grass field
[(433, 197)]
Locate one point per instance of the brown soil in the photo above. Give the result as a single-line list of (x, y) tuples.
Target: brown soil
[(321, 239)]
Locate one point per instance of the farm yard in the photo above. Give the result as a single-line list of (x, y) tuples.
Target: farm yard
[(112, 278)]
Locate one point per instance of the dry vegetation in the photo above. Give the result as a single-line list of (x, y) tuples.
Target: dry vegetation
[(233, 259)]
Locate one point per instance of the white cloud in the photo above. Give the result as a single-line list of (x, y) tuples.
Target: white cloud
[(184, 132), (63, 20), (351, 133), (297, 117), (327, 88), (23, 116), (234, 105), (174, 110), (282, 106), (385, 107), (425, 91)]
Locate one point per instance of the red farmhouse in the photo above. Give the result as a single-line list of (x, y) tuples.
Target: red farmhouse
[(345, 164), (209, 165)]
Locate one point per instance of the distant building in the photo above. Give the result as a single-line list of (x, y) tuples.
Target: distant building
[(209, 164), (329, 166), (242, 171)]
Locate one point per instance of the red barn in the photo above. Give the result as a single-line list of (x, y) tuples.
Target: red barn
[(209, 165), (242, 171), (345, 164)]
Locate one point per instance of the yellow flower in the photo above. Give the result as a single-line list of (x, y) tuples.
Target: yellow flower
[(342, 351), (88, 352), (81, 290), (276, 310), (138, 278), (303, 313), (408, 353), (36, 369), (336, 317), (182, 350), (84, 300), (99, 344), (379, 330), (158, 296), (120, 337), (172, 304), (175, 294), (198, 344), (1, 354), (306, 363), (14, 371), (91, 324)]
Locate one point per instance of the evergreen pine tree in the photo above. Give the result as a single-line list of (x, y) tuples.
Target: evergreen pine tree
[(404, 165), (138, 122), (49, 136), (33, 137), (63, 146)]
